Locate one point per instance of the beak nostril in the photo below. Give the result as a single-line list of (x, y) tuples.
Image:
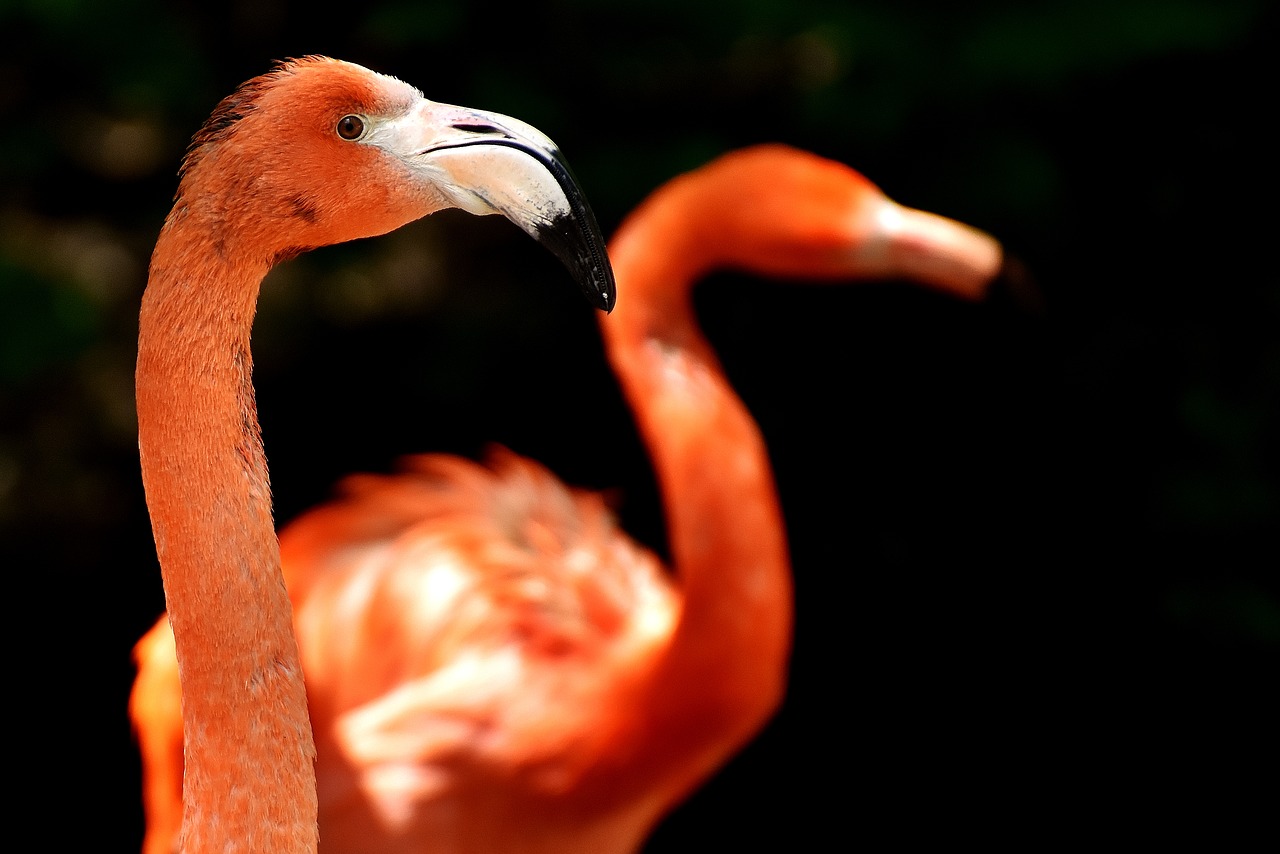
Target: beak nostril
[(478, 127)]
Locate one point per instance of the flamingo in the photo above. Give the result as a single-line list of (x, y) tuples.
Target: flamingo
[(314, 152), (492, 665)]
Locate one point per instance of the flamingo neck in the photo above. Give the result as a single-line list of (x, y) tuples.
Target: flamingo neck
[(724, 671), (249, 776)]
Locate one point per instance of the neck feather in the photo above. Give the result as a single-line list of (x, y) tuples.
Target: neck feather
[(249, 779), (724, 671)]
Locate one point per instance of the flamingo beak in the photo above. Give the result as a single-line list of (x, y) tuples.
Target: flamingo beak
[(488, 163)]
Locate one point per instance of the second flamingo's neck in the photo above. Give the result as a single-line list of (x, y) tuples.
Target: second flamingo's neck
[(726, 663), (207, 489)]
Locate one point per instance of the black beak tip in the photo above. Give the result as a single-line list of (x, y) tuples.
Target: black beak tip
[(580, 247), (1017, 285), (603, 290)]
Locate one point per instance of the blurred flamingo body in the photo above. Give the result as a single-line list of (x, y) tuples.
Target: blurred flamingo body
[(492, 665), (315, 152)]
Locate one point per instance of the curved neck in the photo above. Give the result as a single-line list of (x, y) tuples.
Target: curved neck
[(724, 671), (249, 777)]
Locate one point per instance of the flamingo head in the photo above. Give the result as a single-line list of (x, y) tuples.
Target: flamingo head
[(784, 212), (319, 151)]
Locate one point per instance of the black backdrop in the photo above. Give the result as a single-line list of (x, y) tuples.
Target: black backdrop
[(1035, 556)]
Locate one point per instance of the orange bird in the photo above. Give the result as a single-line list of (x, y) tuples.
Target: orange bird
[(492, 665), (314, 152)]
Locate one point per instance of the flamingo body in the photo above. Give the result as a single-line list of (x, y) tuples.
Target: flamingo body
[(492, 665)]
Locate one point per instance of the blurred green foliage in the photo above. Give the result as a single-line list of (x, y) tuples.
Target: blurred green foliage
[(42, 323), (1026, 520)]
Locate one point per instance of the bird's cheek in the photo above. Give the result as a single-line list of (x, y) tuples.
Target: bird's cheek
[(375, 208)]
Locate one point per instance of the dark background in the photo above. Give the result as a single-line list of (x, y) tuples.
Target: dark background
[(1035, 554)]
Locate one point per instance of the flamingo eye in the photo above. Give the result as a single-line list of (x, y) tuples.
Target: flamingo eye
[(350, 127)]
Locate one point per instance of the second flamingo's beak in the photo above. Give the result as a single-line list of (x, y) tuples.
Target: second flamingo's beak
[(491, 163)]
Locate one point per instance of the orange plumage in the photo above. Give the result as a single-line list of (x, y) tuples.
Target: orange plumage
[(492, 666)]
